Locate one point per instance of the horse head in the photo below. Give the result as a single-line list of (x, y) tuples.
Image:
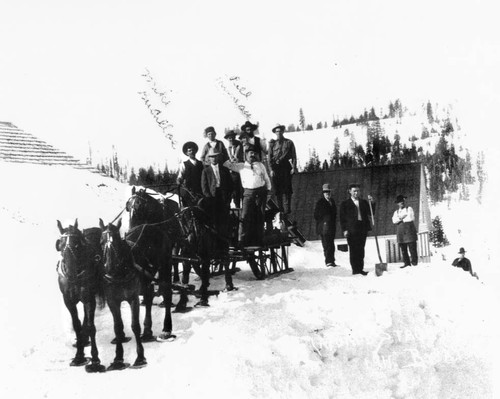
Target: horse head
[(114, 248), (74, 250), (143, 208)]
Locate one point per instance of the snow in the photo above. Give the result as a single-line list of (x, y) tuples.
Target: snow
[(423, 332)]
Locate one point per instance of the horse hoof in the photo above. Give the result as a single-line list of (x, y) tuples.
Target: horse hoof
[(123, 340), (77, 362), (118, 366), (182, 309), (202, 303), (148, 338), (139, 364), (95, 368), (166, 337)]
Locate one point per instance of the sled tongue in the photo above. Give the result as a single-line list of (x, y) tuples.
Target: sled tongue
[(381, 267)]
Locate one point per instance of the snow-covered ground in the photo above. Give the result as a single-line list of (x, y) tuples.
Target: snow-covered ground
[(424, 332)]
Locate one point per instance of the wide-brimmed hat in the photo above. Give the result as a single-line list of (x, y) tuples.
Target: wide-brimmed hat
[(278, 127), (400, 198), (208, 130), (190, 144), (462, 250), (326, 187), (250, 125), (230, 133), (213, 152)]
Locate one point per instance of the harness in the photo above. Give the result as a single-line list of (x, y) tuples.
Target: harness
[(86, 273)]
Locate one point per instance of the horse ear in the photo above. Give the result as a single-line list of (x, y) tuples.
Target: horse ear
[(59, 226), (119, 224), (101, 224), (133, 190), (76, 223)]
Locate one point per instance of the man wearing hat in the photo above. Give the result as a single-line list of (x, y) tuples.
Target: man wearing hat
[(463, 262), (406, 233), (235, 153), (248, 138), (190, 175), (283, 164), (212, 142), (354, 217), (256, 185), (325, 214)]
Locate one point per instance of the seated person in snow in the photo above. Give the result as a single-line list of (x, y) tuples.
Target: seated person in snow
[(464, 263)]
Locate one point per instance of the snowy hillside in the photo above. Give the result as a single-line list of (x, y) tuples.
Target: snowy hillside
[(424, 332)]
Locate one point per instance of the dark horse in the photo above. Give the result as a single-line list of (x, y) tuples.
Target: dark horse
[(130, 266), (80, 272), (192, 233)]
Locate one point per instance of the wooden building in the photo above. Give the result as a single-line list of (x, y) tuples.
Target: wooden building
[(384, 183)]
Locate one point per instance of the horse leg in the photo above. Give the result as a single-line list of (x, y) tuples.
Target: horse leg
[(114, 307), (136, 328), (91, 331), (205, 282), (147, 336), (165, 279), (79, 359)]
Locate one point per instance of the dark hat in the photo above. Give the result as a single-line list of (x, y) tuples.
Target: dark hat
[(209, 129), (190, 144), (326, 187), (462, 250), (278, 127), (249, 148), (400, 198), (352, 185), (213, 152), (230, 133), (250, 125)]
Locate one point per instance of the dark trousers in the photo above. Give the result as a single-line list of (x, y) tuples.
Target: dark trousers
[(252, 216), (412, 246), (328, 247), (237, 189), (356, 241)]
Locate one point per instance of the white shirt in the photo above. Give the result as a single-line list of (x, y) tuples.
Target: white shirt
[(406, 213), (252, 176), (356, 202), (215, 168)]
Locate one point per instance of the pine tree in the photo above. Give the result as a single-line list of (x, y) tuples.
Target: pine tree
[(437, 235), (133, 178), (302, 120), (430, 114)]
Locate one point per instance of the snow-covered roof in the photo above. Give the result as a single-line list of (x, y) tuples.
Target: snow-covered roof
[(19, 146)]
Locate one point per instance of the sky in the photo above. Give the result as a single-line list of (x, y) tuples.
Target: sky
[(70, 72)]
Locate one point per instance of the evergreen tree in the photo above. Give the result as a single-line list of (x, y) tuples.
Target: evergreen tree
[(437, 235), (302, 120), (319, 125), (430, 114), (133, 178)]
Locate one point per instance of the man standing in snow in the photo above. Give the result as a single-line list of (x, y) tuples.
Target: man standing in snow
[(325, 214), (355, 225), (283, 164)]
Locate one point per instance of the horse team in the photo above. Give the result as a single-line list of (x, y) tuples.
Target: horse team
[(98, 266)]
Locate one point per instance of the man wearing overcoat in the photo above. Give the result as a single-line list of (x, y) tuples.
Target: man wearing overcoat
[(283, 164), (355, 224), (325, 214)]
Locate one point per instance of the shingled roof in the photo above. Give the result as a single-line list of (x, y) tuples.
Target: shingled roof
[(17, 146), (384, 183)]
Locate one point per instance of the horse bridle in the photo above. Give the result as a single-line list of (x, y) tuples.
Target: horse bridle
[(81, 275)]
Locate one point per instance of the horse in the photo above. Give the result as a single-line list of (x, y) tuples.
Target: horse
[(144, 209), (191, 232), (79, 276), (131, 265)]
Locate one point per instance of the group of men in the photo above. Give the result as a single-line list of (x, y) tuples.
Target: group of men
[(355, 223), (244, 172)]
